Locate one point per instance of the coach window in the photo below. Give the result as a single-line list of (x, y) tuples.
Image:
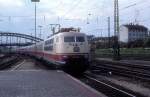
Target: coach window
[(48, 48), (49, 41), (69, 39), (52, 41), (80, 39)]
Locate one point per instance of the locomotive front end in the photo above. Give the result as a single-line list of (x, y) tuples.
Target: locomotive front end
[(75, 52)]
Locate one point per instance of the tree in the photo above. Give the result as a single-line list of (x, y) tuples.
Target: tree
[(136, 43)]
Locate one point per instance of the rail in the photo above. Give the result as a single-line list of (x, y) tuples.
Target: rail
[(8, 63), (108, 89), (133, 71)]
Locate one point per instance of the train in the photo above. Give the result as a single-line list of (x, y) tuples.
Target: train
[(67, 49)]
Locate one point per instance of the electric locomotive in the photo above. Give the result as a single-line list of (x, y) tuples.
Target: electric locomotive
[(67, 49)]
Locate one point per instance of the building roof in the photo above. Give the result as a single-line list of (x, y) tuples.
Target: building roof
[(133, 27), (102, 38)]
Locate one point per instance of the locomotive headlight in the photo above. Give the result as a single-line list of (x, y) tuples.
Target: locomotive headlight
[(76, 49), (65, 57)]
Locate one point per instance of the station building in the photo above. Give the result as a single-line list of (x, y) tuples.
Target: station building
[(132, 32)]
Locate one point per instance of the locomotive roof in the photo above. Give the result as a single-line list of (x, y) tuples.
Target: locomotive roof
[(69, 33), (66, 33)]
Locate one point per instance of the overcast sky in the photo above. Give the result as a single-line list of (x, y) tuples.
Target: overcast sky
[(18, 15)]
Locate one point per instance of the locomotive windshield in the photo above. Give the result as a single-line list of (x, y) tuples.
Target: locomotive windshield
[(74, 39), (80, 39), (69, 39)]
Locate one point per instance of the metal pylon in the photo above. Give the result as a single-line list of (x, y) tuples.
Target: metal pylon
[(116, 18), (116, 46)]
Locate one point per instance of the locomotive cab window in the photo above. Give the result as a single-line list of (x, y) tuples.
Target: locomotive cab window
[(69, 39), (80, 39)]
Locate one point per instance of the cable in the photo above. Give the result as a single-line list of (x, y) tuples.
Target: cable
[(134, 4), (18, 16), (59, 4), (128, 6), (72, 8)]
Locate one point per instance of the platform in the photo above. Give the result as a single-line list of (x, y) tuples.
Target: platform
[(42, 83)]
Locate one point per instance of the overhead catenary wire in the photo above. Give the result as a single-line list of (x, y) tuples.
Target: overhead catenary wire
[(72, 8), (133, 4), (76, 3)]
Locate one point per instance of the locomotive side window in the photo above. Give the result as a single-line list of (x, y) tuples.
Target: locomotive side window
[(80, 39), (69, 39), (57, 39)]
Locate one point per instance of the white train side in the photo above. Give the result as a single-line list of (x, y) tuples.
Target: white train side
[(69, 50)]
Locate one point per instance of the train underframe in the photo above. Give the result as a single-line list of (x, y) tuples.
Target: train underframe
[(75, 64)]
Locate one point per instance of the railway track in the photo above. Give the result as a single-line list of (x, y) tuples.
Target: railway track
[(108, 88), (137, 65), (16, 67), (7, 62), (124, 70), (29, 64)]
